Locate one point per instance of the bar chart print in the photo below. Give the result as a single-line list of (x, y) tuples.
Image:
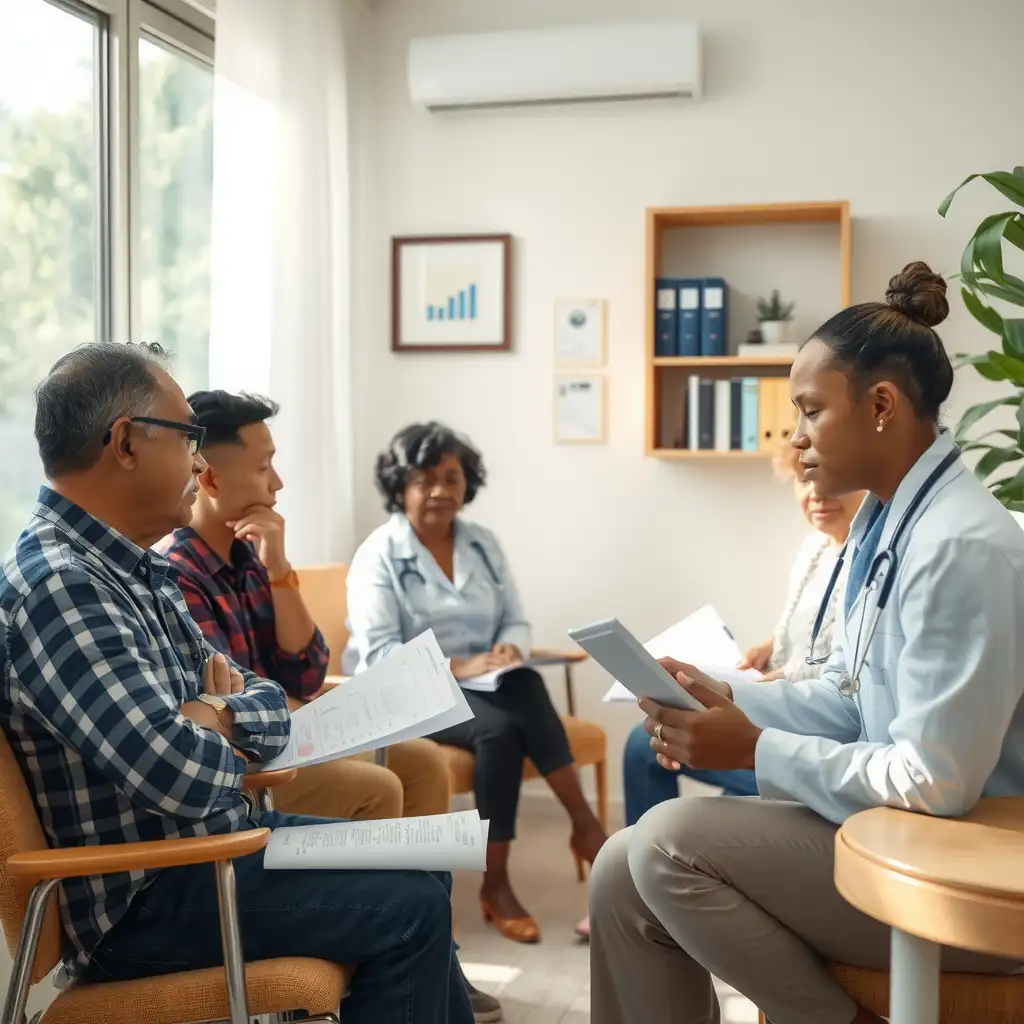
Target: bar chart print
[(452, 292)]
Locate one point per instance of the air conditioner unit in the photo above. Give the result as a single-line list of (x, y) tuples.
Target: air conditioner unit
[(559, 65)]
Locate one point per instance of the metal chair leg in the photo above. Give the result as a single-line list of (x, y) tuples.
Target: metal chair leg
[(570, 691), (21, 974), (380, 757), (231, 940)]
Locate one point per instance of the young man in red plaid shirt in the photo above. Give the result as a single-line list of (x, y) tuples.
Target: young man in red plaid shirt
[(243, 593)]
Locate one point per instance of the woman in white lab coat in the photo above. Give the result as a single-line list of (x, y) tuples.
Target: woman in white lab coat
[(923, 712), (427, 568)]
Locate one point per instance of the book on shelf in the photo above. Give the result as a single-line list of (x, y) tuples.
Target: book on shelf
[(714, 307), (723, 414), (666, 316)]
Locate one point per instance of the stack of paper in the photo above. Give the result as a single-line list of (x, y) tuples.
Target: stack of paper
[(701, 639), (441, 842), (408, 694), (490, 681)]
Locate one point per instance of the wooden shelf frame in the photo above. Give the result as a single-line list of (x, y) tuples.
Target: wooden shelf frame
[(661, 219)]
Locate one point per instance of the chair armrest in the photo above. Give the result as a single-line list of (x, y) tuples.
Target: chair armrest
[(257, 780), (79, 861), (569, 657)]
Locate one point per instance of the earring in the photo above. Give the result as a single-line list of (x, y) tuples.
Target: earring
[(881, 425)]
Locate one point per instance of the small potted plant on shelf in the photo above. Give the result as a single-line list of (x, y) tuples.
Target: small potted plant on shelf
[(774, 316)]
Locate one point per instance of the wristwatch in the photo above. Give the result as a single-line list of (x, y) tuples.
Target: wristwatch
[(219, 704), (289, 582)]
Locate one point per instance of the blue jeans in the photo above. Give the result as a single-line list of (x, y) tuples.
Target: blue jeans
[(394, 926), (646, 783)]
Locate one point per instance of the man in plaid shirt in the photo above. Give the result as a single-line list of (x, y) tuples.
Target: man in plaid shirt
[(129, 726), (243, 593)]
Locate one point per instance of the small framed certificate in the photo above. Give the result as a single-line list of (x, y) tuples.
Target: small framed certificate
[(580, 333), (579, 409)]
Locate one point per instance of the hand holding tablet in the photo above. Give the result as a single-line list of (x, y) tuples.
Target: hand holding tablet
[(620, 654)]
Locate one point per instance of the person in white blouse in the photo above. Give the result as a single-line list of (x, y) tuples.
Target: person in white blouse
[(781, 656), (428, 568)]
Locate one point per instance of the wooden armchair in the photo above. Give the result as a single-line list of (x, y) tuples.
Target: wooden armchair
[(325, 592), (30, 874)]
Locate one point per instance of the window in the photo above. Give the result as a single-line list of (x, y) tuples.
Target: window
[(53, 280), (106, 171), (175, 200)]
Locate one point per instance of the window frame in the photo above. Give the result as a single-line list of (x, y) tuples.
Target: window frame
[(173, 23)]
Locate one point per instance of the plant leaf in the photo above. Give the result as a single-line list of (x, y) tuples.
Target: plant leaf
[(1009, 366), (985, 315), (1009, 184), (1014, 232), (1009, 291), (1013, 336), (988, 248), (981, 410), (994, 459)]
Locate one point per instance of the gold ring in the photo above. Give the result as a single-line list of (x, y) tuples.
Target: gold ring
[(657, 731)]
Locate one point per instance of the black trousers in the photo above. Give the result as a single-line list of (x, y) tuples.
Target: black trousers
[(515, 722)]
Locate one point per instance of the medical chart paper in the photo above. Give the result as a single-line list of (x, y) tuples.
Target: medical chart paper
[(439, 842), (409, 693), (701, 639)]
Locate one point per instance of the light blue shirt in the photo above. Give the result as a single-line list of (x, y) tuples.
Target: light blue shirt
[(396, 590), (938, 721)]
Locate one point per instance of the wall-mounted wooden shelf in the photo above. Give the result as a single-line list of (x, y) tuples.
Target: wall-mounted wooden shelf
[(685, 453), (738, 363), (814, 242)]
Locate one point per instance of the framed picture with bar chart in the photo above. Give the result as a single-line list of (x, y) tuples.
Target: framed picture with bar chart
[(451, 293)]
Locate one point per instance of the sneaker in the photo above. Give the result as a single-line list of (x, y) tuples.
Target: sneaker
[(486, 1009)]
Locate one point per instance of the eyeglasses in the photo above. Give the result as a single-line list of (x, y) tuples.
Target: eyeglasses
[(192, 431)]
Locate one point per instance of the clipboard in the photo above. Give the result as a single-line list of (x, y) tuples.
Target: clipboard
[(624, 658)]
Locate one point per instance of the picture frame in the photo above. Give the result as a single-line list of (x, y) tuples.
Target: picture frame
[(451, 293), (580, 408), (581, 333)]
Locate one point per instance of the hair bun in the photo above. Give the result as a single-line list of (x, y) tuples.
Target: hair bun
[(919, 293)]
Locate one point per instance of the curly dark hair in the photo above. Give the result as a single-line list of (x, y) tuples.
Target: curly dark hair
[(422, 446)]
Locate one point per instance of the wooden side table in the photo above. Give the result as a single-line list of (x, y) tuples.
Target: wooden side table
[(937, 882)]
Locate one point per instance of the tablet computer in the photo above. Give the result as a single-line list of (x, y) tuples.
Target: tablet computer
[(624, 658)]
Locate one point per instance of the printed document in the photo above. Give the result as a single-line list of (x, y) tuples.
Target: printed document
[(701, 639), (490, 681), (409, 693), (439, 842)]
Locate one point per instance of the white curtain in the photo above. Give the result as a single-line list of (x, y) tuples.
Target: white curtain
[(280, 251)]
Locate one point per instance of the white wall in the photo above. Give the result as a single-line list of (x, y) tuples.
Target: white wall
[(886, 103)]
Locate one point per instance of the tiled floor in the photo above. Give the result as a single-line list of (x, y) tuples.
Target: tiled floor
[(548, 983)]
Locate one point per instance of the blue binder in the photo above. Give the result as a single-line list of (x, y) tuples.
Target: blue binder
[(714, 302), (689, 317), (666, 316)]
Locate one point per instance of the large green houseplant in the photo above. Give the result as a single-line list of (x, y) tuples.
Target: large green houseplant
[(983, 277)]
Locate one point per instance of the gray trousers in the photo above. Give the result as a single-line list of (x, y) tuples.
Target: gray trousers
[(735, 887)]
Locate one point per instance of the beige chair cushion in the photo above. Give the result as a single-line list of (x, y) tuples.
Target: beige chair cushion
[(272, 985)]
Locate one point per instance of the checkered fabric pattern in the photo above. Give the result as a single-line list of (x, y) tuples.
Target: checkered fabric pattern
[(99, 655), (233, 605)]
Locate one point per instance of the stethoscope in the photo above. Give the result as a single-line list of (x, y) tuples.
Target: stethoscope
[(885, 563), (407, 567)]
